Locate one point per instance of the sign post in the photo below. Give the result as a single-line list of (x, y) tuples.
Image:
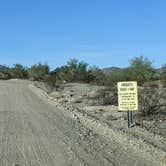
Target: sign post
[(128, 99), (129, 118)]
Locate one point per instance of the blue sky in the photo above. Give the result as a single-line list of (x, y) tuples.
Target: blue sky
[(100, 32)]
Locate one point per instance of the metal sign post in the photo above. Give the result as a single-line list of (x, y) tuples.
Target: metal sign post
[(130, 119)]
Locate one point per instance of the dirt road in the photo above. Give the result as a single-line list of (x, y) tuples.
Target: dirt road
[(35, 133), (29, 134)]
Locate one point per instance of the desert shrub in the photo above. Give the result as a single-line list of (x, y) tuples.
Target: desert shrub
[(114, 77), (163, 74), (111, 96), (5, 72), (63, 74), (153, 84), (51, 80), (97, 76), (78, 71), (111, 79), (18, 71), (141, 70), (152, 100), (38, 72), (108, 96), (74, 71)]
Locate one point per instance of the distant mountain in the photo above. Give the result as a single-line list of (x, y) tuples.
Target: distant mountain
[(2, 67), (118, 69), (159, 70), (112, 69)]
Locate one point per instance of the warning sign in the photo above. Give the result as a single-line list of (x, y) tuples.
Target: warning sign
[(128, 96)]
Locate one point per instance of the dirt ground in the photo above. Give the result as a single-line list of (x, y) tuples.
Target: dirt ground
[(145, 140), (62, 128)]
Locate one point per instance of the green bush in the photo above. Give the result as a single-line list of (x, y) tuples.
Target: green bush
[(5, 73), (18, 71), (114, 77), (78, 70), (141, 70), (96, 76), (38, 72), (74, 71), (62, 74), (51, 80), (163, 74)]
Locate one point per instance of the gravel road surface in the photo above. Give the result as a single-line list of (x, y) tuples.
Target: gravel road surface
[(28, 134)]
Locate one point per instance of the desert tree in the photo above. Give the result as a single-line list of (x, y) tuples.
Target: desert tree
[(38, 72), (19, 71), (141, 70)]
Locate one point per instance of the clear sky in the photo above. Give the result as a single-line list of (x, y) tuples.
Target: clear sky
[(100, 32)]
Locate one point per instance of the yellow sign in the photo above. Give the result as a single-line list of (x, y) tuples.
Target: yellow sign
[(128, 96)]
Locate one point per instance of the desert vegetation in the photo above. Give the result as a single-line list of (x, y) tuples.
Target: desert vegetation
[(140, 69)]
